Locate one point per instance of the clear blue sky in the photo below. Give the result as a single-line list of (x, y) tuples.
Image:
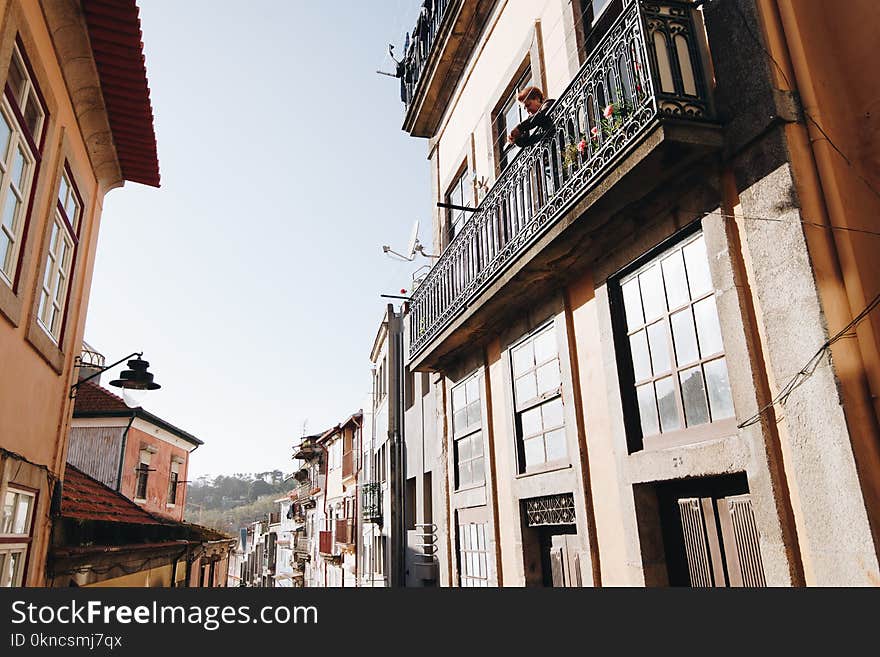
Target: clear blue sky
[(251, 278)]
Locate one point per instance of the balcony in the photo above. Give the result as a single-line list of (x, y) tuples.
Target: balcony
[(531, 228), (371, 502), (442, 41), (301, 547)]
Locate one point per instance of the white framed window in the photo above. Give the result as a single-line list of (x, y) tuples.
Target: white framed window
[(59, 258), (16, 173), (173, 481), (15, 529), (143, 475), (510, 115), (537, 395), (461, 193), (467, 434), (26, 96)]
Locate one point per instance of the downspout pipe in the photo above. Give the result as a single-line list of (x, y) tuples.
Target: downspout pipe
[(122, 450)]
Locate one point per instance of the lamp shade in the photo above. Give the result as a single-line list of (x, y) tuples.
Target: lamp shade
[(136, 377)]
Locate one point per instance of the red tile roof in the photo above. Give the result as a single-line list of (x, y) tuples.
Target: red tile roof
[(84, 498), (114, 28), (92, 398)]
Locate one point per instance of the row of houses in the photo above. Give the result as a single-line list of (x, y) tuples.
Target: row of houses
[(92, 486), (646, 352)]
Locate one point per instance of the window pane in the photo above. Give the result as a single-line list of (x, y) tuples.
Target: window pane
[(531, 422), (476, 444), (8, 509), (708, 328), (5, 248), (719, 389), (464, 473), (641, 359), (472, 389), (666, 403), (15, 78), (548, 377), (32, 116), (534, 451), (685, 337), (523, 358), (675, 280), (481, 537), (647, 409), (698, 267), (14, 568), (526, 388), (464, 449), (9, 210), (63, 188), (5, 132), (18, 168), (632, 303), (658, 338), (693, 394), (653, 298), (22, 515), (458, 397), (477, 475), (473, 413), (555, 441), (459, 420), (552, 413), (545, 346)]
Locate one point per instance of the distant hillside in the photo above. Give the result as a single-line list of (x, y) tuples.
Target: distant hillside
[(227, 502)]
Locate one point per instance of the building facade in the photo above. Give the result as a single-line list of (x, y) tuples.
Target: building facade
[(75, 123), (649, 337)]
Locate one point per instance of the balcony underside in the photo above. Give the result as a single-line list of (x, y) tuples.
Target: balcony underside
[(569, 245), (450, 54)]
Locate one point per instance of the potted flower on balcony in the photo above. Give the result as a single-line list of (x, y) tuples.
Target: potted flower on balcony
[(573, 150)]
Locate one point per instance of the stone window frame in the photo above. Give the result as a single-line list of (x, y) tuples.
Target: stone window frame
[(17, 543)]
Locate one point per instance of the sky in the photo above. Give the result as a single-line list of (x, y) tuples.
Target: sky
[(251, 278)]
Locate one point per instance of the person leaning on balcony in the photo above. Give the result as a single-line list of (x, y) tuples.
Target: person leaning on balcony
[(538, 123)]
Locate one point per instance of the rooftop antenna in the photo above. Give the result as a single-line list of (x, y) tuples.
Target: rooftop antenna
[(412, 247), (393, 59)]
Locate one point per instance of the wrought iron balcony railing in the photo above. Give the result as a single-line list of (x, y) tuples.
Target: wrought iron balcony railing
[(371, 501), (419, 48), (648, 67)]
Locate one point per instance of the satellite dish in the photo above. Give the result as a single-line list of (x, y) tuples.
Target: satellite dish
[(413, 240)]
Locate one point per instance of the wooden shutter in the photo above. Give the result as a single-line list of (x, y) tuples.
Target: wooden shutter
[(741, 541)]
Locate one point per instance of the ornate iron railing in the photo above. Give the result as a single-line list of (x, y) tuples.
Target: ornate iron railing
[(648, 66), (419, 49), (371, 501)]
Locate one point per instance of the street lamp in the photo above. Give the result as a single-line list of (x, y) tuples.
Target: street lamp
[(136, 377)]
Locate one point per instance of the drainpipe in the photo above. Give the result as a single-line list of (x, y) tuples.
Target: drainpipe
[(122, 451)]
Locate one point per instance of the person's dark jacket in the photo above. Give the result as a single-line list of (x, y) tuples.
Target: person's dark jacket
[(534, 128)]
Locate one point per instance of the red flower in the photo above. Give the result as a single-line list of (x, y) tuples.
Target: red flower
[(582, 145), (609, 111), (595, 131)]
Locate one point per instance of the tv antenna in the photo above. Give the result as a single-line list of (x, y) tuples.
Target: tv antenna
[(412, 247)]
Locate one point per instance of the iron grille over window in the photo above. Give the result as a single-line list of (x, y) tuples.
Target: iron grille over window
[(550, 510)]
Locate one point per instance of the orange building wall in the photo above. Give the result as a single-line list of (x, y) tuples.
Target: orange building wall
[(34, 404), (157, 482)]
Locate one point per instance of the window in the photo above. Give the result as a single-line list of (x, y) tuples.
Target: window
[(143, 473), (467, 434), (461, 193), (62, 244), (537, 393), (508, 117), (173, 481), (674, 339), (22, 116), (334, 454), (473, 555), (15, 529)]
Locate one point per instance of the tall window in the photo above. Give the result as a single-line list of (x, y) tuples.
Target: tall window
[(143, 474), (677, 356), (467, 434), (473, 555), (537, 392), (173, 481), (15, 529), (63, 240), (461, 194), (21, 126), (334, 454), (509, 116)]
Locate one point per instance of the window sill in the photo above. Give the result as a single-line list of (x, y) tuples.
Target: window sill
[(170, 506), (45, 346), (465, 489), (139, 500), (10, 303), (544, 469)]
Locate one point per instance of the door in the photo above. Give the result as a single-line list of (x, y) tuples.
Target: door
[(564, 561)]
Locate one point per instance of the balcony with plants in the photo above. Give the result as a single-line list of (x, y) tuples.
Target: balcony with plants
[(637, 112)]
